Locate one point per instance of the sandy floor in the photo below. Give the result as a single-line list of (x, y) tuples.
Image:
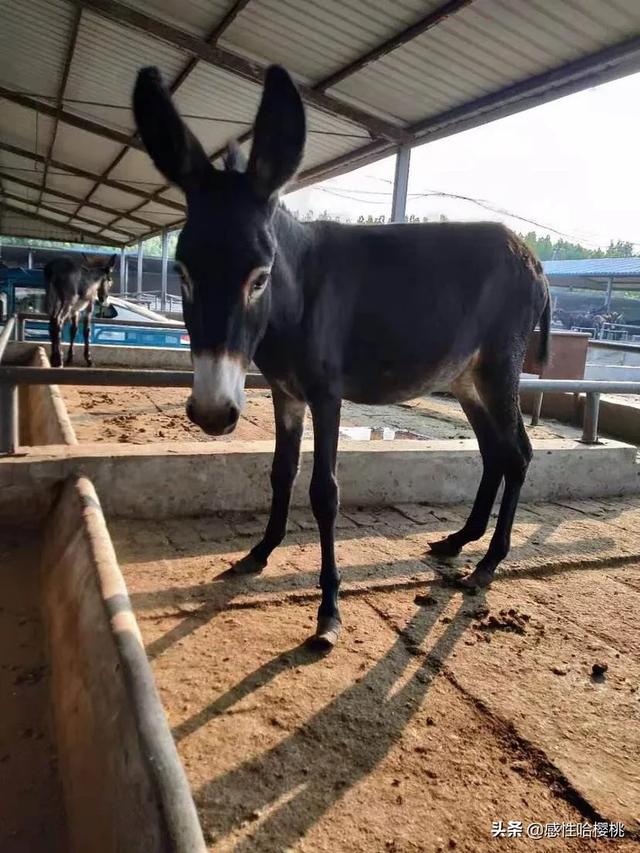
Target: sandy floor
[(142, 415), (436, 715), (31, 810)]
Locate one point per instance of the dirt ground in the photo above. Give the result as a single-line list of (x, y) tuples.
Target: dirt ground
[(436, 715), (143, 415), (31, 810)]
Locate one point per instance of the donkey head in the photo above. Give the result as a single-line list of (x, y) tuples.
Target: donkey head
[(96, 271), (227, 247)]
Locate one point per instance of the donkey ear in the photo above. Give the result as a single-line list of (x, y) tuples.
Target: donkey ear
[(233, 158), (170, 144), (279, 134), (111, 262)]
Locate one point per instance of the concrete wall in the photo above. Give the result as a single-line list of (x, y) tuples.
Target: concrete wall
[(124, 787), (613, 352), (618, 419), (43, 417), (191, 479), (141, 357)]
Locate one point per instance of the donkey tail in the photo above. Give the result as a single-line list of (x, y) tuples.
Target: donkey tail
[(545, 325)]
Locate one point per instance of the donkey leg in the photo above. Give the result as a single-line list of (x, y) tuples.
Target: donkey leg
[(86, 333), (324, 503), (289, 418), (72, 336), (54, 336), (476, 524), (492, 473), (500, 394)]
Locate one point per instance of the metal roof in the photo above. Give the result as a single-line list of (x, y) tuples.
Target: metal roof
[(595, 268), (374, 75)]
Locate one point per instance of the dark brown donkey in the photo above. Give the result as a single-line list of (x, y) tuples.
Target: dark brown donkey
[(329, 312), (72, 289)]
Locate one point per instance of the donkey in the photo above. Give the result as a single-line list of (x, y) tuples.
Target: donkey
[(329, 311), (72, 289)]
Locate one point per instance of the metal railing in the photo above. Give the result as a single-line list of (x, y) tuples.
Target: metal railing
[(13, 376), (175, 325)]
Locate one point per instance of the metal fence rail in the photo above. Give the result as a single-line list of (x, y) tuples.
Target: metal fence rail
[(175, 325), (12, 376)]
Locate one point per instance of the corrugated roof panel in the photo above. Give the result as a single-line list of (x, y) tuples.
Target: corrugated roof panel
[(25, 128), (213, 93), (117, 199), (594, 267), (18, 190), (136, 166), (485, 47), (97, 215), (83, 149), (21, 225), (197, 17), (158, 213), (92, 229), (314, 39), (107, 237), (64, 182), (105, 63), (34, 37)]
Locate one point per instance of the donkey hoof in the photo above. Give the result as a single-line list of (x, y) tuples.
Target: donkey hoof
[(327, 633), (89, 362), (479, 577), (56, 362), (248, 565), (444, 548)]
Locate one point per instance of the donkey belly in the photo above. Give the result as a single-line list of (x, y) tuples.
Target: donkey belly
[(379, 384)]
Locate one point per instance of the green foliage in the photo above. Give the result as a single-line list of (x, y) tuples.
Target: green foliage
[(563, 250)]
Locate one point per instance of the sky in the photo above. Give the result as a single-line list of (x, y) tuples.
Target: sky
[(571, 165)]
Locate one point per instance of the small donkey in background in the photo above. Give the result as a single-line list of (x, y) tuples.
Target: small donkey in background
[(72, 289)]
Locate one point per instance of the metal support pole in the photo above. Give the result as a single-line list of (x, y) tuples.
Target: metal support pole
[(126, 276), (590, 423), (139, 272), (8, 418), (20, 329), (401, 184), (30, 260), (165, 261), (609, 294), (122, 266)]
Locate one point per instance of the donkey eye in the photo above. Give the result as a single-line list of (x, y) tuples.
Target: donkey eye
[(260, 282)]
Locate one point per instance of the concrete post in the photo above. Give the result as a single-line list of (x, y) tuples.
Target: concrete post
[(609, 294), (165, 261), (401, 184), (139, 272)]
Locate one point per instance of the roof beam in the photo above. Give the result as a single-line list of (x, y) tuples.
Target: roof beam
[(68, 118), (99, 225), (58, 224), (422, 26), (91, 176), (238, 65), (74, 199), (61, 90), (180, 78)]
